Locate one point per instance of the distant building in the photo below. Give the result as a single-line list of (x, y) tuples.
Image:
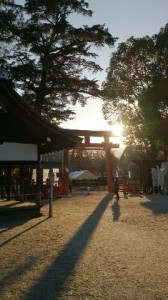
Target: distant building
[(82, 175)]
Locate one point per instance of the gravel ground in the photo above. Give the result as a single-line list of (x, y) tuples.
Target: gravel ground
[(92, 248)]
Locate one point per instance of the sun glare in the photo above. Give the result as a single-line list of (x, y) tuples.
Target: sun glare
[(117, 129)]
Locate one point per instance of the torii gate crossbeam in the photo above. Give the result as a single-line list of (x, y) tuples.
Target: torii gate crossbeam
[(106, 145)]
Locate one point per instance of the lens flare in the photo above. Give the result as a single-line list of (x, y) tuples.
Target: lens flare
[(117, 129)]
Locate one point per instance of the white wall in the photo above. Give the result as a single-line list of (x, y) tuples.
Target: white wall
[(18, 152)]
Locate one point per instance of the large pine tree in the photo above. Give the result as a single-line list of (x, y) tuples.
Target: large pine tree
[(48, 56)]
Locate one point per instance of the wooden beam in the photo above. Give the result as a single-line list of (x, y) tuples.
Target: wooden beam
[(96, 145)]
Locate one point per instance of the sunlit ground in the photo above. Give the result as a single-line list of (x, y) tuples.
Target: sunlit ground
[(92, 248)]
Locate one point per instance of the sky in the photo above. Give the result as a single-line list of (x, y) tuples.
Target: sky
[(123, 18)]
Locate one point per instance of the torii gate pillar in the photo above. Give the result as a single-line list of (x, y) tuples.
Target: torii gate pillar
[(87, 144), (110, 178)]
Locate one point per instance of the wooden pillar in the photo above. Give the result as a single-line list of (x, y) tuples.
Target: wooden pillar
[(65, 173), (22, 183), (87, 138), (8, 182), (39, 184), (110, 179)]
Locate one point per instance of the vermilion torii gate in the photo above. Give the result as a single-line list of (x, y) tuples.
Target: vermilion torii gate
[(106, 145)]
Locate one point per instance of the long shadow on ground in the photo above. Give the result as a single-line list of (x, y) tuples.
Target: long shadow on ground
[(53, 280), (158, 204)]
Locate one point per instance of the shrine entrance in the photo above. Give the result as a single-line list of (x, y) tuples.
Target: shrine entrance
[(87, 144)]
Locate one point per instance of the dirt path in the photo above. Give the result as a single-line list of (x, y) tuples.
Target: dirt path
[(92, 248)]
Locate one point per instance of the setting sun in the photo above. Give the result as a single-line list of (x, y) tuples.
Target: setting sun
[(117, 129)]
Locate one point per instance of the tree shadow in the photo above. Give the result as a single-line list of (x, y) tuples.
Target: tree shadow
[(158, 204), (16, 273), (53, 281), (116, 210), (20, 233)]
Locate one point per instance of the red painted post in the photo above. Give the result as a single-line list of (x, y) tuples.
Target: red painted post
[(106, 145)]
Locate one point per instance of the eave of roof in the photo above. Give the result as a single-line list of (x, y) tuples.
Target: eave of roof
[(21, 123)]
